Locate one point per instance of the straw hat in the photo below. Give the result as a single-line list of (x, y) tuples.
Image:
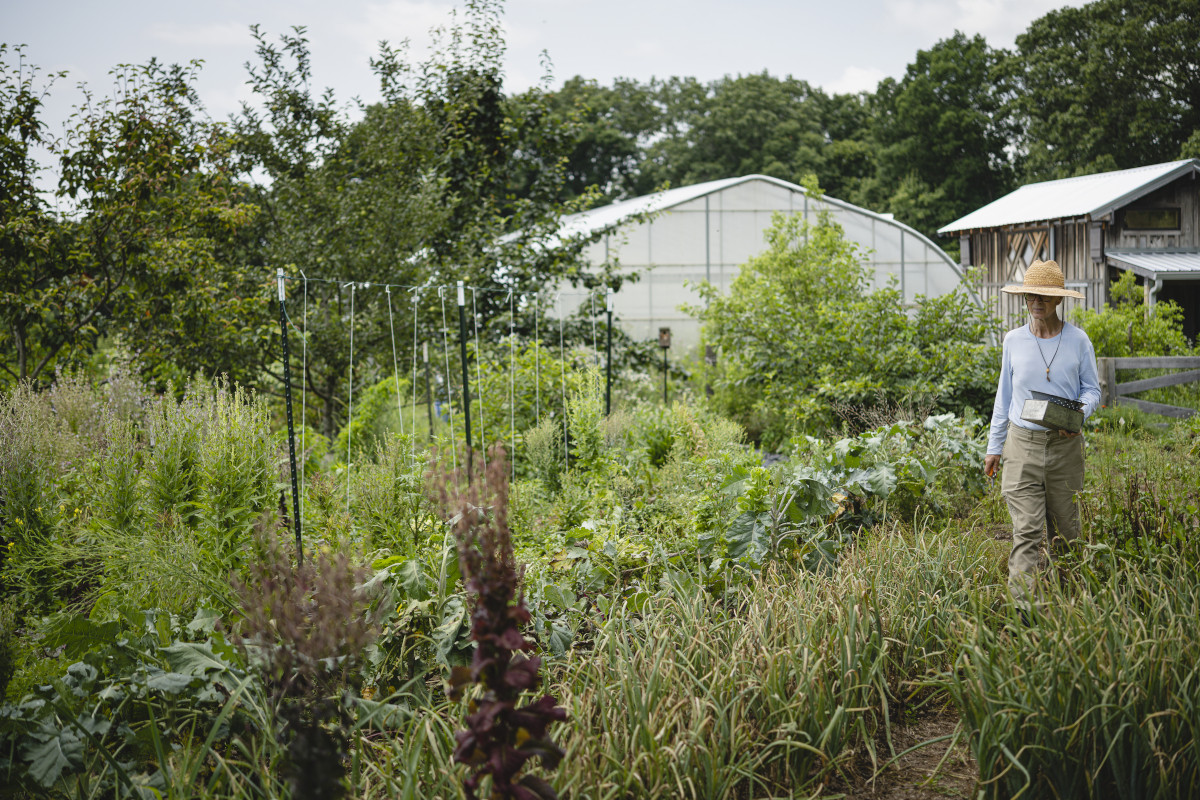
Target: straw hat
[(1044, 278)]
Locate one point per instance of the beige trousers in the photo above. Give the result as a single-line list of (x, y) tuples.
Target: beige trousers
[(1042, 473)]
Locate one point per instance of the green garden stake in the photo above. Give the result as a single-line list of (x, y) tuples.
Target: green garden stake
[(462, 343), (287, 392)]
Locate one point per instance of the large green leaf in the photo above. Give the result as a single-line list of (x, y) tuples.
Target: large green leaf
[(171, 683), (194, 658), (78, 635), (50, 755), (749, 538)]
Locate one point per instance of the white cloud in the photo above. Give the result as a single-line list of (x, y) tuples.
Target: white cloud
[(222, 34), (999, 21), (856, 79)]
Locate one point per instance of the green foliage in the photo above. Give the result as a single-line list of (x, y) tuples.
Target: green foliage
[(303, 630), (390, 501), (521, 384), (445, 180), (8, 643), (102, 508), (1106, 86), (1111, 673), (1126, 328), (140, 687), (801, 336), (807, 512), (142, 253), (944, 134), (1123, 328)]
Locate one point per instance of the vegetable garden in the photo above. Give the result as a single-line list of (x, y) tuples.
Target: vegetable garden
[(775, 586), (711, 627)]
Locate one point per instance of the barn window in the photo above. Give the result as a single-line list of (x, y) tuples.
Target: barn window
[(1152, 219)]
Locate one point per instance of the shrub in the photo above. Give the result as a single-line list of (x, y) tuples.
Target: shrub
[(800, 333)]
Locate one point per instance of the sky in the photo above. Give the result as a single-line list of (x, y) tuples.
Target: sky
[(840, 45)]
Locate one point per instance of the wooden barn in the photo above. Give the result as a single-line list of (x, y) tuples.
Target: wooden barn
[(1145, 220)]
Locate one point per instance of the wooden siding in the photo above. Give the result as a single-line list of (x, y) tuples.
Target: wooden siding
[(1003, 254), (1183, 194)]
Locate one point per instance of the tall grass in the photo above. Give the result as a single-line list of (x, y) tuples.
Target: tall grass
[(1100, 699), (780, 689)]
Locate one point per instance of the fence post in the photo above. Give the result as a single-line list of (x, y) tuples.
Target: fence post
[(608, 358), (462, 343), (1108, 382)]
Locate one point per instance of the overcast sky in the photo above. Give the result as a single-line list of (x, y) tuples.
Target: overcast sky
[(841, 45)]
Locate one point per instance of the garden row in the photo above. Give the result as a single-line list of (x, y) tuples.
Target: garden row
[(712, 627)]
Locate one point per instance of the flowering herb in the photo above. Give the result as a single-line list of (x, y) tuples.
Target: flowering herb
[(500, 736)]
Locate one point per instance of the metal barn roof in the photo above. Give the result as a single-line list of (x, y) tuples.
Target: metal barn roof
[(1155, 264), (1086, 196)]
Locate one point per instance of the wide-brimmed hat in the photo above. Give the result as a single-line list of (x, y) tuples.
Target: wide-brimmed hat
[(1044, 278)]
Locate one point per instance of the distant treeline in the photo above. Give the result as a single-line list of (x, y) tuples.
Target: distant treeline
[(163, 227), (1112, 85)]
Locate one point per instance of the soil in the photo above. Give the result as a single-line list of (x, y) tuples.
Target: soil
[(925, 773)]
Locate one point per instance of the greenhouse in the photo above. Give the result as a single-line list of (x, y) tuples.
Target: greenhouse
[(706, 231)]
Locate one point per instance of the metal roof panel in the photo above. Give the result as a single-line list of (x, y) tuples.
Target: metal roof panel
[(1158, 264), (1084, 196)]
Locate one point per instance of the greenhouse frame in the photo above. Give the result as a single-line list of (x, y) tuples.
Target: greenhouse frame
[(680, 237)]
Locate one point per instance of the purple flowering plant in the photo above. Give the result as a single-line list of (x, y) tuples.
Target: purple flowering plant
[(501, 734)]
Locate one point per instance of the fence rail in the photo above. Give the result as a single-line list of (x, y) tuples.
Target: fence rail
[(1113, 393)]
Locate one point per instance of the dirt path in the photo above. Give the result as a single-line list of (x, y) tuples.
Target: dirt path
[(924, 773)]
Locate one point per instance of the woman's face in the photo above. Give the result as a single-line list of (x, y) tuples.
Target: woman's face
[(1042, 307)]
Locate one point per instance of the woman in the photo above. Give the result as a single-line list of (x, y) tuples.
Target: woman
[(1043, 469)]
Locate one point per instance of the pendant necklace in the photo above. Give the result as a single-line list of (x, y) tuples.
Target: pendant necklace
[(1039, 347)]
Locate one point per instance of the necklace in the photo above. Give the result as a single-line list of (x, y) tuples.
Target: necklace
[(1043, 355)]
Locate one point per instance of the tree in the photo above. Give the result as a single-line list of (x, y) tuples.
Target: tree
[(608, 129), (145, 179), (751, 124), (422, 192), (944, 134), (1111, 85)]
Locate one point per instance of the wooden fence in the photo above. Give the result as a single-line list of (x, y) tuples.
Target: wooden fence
[(1113, 393)]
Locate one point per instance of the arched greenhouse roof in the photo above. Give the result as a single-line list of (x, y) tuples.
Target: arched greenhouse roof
[(682, 236)]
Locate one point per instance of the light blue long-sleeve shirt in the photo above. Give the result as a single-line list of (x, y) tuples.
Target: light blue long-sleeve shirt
[(1073, 375)]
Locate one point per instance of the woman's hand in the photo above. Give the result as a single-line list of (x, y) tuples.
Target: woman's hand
[(990, 463), (1069, 434)]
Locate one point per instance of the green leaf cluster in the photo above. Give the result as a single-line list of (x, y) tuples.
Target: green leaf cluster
[(804, 340)]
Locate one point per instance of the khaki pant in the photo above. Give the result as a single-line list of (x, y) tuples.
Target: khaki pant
[(1042, 472)]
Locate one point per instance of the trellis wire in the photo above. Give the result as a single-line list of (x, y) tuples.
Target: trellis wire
[(595, 350), (350, 411), (415, 298), (449, 388), (479, 385), (512, 388), (415, 291), (395, 365), (562, 362)]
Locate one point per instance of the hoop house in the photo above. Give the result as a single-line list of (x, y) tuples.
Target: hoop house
[(706, 231)]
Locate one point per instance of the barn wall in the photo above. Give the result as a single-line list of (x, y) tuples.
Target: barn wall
[(1003, 254), (1183, 194)]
